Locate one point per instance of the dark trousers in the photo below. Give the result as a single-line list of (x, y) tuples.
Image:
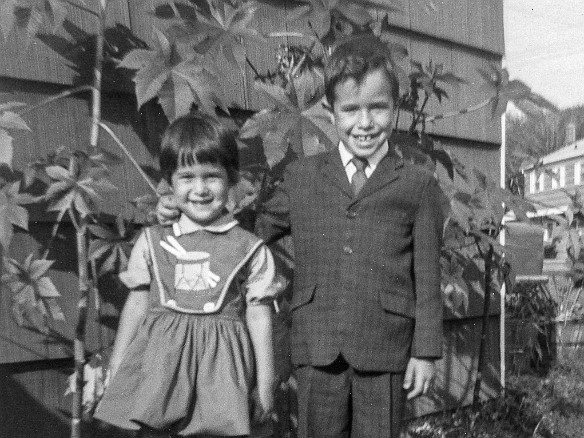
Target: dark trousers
[(338, 401)]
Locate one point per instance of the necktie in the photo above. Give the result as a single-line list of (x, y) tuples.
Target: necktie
[(359, 177)]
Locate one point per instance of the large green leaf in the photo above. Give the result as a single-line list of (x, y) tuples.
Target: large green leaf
[(431, 76), (12, 212), (176, 81), (34, 294), (112, 246), (79, 187), (221, 27), (31, 15), (497, 82), (9, 120), (291, 123), (320, 13)]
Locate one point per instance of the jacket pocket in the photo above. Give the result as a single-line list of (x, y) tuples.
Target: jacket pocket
[(302, 297), (398, 304)]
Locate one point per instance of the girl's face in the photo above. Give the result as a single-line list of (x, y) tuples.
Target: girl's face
[(201, 191)]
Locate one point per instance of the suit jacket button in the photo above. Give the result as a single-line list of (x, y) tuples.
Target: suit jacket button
[(348, 250)]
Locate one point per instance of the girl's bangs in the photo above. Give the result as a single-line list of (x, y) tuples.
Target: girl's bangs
[(189, 157)]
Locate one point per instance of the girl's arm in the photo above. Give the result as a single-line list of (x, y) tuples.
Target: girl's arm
[(259, 323), (134, 311)]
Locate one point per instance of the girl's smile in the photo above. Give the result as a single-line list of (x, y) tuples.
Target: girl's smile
[(201, 191)]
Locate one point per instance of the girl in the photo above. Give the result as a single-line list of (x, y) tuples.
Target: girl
[(195, 335)]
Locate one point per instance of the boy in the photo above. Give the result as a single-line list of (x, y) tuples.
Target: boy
[(366, 229)]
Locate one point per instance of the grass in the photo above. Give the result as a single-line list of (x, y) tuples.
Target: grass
[(533, 406)]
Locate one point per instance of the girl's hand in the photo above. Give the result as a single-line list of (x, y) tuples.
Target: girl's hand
[(262, 403)]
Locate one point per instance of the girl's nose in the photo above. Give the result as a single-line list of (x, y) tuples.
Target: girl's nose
[(199, 187)]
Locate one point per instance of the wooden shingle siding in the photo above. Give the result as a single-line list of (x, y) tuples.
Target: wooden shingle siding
[(473, 23)]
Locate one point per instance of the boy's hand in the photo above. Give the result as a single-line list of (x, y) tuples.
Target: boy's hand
[(166, 210), (419, 376)]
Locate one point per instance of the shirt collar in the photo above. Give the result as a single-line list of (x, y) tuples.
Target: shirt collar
[(372, 161), (220, 225)]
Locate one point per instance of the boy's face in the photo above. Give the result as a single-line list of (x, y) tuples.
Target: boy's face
[(364, 113), (201, 191)]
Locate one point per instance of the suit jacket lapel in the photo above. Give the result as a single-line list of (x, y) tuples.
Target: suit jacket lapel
[(333, 170), (385, 173)]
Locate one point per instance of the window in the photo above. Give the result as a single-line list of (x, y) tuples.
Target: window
[(532, 180), (540, 182), (577, 173), (555, 177), (563, 176)]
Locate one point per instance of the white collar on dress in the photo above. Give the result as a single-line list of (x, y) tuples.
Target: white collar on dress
[(220, 225)]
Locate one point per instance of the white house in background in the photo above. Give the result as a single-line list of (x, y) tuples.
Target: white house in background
[(558, 174)]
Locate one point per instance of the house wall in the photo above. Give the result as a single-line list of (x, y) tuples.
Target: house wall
[(463, 35)]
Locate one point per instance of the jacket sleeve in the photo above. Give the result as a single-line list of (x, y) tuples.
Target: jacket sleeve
[(273, 218), (427, 240)]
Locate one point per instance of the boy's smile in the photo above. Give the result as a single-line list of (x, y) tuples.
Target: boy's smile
[(201, 191), (363, 113)]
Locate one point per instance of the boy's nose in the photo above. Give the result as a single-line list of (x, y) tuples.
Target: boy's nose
[(365, 119)]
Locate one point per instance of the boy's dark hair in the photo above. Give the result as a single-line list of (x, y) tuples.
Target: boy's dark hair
[(198, 139), (353, 59)]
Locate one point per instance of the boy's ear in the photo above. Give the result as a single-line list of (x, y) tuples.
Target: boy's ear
[(329, 109)]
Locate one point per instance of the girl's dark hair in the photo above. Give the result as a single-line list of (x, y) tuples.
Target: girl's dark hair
[(354, 58), (198, 139)]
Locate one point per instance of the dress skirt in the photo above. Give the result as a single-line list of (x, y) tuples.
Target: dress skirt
[(185, 374)]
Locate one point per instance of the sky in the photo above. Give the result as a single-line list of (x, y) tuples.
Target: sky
[(544, 47)]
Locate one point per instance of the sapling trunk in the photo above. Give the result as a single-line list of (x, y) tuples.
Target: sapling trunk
[(79, 342), (82, 255), (488, 260)]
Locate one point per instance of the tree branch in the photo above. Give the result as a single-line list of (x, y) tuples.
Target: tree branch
[(130, 157)]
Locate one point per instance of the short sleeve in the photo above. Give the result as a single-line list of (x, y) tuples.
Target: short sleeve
[(260, 283), (138, 273)]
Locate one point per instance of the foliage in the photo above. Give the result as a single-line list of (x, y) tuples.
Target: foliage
[(34, 294), (531, 407)]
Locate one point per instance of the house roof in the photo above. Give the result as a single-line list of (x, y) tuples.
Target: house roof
[(568, 152), (550, 202)]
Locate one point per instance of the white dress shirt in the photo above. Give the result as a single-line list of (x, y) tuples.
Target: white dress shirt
[(372, 161)]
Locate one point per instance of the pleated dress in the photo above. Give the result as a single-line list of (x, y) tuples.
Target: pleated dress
[(190, 368)]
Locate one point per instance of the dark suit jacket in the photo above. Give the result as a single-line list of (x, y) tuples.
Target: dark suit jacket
[(367, 272)]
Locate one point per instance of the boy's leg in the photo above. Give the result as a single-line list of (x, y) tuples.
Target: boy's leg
[(324, 395), (378, 400)]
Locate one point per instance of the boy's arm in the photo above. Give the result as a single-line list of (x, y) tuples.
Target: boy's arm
[(427, 241), (166, 210), (273, 218)]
